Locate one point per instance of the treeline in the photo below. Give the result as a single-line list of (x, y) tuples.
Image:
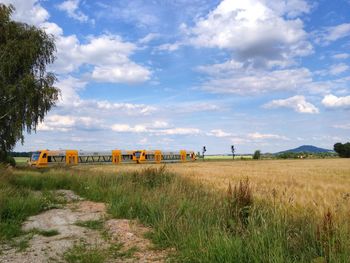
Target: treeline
[(302, 155), (20, 154)]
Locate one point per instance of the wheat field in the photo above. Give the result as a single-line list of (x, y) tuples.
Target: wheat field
[(317, 183)]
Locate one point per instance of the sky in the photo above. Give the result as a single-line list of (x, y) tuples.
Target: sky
[(171, 75)]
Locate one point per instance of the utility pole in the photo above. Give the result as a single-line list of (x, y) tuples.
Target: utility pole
[(203, 151), (233, 151)]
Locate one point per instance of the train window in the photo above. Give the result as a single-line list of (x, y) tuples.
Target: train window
[(137, 154), (44, 155), (35, 156)]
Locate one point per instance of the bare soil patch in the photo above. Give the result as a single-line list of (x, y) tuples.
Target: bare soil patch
[(126, 235)]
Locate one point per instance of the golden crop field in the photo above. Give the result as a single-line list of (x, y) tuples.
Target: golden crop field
[(319, 183)]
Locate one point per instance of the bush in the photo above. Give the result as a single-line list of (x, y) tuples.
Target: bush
[(11, 161), (343, 150), (7, 159), (257, 155)]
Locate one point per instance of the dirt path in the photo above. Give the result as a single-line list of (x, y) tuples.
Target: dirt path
[(82, 230)]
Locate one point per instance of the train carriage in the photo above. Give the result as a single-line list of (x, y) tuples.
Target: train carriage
[(45, 158)]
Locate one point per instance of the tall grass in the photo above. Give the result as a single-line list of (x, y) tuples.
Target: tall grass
[(17, 203), (203, 225)]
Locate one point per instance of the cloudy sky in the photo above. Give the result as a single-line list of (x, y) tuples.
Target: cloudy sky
[(173, 74)]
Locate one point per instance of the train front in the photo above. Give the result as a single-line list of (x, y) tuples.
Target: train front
[(38, 159)]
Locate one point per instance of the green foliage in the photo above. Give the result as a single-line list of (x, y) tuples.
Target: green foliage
[(26, 89), (92, 224), (290, 155), (11, 161), (302, 155), (21, 154), (17, 203), (45, 233), (343, 150), (82, 253), (257, 155)]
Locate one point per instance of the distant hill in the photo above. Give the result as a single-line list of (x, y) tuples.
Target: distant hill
[(307, 148)]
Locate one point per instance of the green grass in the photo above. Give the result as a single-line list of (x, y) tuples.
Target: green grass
[(201, 224), (92, 224), (115, 251), (21, 160), (46, 233), (81, 253), (227, 157)]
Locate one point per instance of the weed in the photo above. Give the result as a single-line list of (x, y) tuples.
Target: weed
[(46, 233), (22, 244), (81, 253), (240, 201), (115, 250), (152, 177), (92, 224)]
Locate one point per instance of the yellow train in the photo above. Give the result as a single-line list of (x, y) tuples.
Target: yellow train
[(44, 158)]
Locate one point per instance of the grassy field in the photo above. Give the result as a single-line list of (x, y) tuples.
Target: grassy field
[(21, 160), (316, 183), (226, 157), (208, 212)]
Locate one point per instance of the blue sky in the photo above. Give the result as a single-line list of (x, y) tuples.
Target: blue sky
[(172, 75)]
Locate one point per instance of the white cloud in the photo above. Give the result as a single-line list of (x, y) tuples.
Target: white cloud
[(129, 108), (51, 28), (28, 11), (333, 33), (133, 12), (128, 128), (254, 30), (148, 38), (341, 56), (179, 131), (338, 68), (160, 124), (258, 81), (142, 128), (66, 123), (71, 7), (194, 106), (108, 54), (169, 47), (262, 136), (219, 133), (240, 140), (128, 73), (228, 67), (297, 103), (69, 88), (291, 8), (332, 101), (345, 126), (70, 99)]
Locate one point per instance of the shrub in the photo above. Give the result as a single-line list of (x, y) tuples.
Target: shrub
[(343, 150), (11, 161), (240, 201), (257, 155)]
